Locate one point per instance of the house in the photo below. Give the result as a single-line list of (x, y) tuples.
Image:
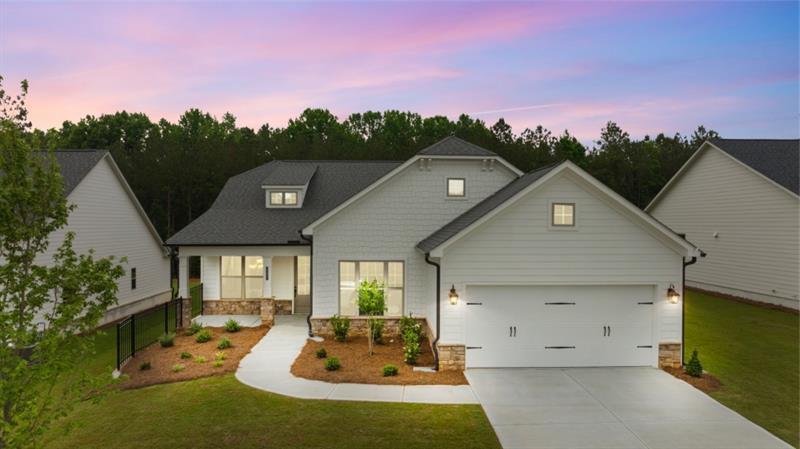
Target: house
[(109, 219), (548, 268), (738, 200)]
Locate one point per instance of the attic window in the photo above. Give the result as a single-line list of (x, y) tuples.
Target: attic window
[(283, 198), (455, 188), (563, 214)]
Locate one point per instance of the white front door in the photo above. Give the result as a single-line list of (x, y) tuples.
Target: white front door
[(559, 326)]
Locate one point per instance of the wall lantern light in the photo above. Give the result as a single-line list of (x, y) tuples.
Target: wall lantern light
[(672, 294), (453, 295)]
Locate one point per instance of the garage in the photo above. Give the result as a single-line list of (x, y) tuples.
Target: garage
[(559, 326)]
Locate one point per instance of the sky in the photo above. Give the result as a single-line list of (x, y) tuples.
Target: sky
[(651, 67)]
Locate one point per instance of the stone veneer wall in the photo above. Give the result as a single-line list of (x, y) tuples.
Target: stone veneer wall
[(669, 355), (264, 307), (358, 326), (283, 306), (451, 357)]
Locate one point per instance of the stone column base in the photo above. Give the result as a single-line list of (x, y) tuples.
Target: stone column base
[(186, 312), (267, 311), (669, 355), (451, 357)]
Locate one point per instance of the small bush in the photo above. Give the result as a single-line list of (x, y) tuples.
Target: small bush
[(200, 359), (411, 347), (409, 323), (694, 368), (224, 343), (341, 326), (219, 356), (203, 336), (185, 355), (389, 370), (332, 364), (322, 353), (145, 366), (194, 328), (377, 330), (217, 363), (178, 367), (167, 340), (232, 326)]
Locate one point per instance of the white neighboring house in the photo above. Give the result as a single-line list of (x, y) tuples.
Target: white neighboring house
[(548, 268), (109, 219), (738, 200)]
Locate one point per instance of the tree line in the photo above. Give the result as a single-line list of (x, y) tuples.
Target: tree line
[(177, 169)]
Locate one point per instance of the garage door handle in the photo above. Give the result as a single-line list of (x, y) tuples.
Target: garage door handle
[(559, 303), (515, 331), (510, 331), (609, 331), (559, 347), (605, 330)]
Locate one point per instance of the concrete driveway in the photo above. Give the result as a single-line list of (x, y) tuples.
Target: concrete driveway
[(614, 408)]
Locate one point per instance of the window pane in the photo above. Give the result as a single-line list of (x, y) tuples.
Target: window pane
[(231, 266), (395, 274), (254, 287), (231, 287), (290, 197), (371, 271), (563, 214), (348, 305), (253, 266), (394, 301), (303, 275), (455, 187), (276, 198), (347, 274)]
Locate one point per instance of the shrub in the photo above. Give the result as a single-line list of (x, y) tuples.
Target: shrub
[(409, 323), (219, 356), (377, 330), (411, 347), (332, 364), (217, 363), (200, 359), (694, 368), (194, 327), (203, 336), (167, 340), (389, 370), (145, 366), (224, 343), (185, 355), (372, 302), (178, 367), (322, 353), (341, 326), (232, 326)]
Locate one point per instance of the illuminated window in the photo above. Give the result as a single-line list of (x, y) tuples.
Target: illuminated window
[(388, 274), (563, 214), (455, 187), (283, 198), (241, 277)]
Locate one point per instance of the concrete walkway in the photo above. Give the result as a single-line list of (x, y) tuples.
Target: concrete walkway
[(268, 365), (219, 320)]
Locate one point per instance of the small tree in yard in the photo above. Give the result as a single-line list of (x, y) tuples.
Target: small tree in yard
[(44, 305), (694, 368), (371, 302)]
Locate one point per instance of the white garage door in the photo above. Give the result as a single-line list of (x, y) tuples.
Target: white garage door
[(559, 326)]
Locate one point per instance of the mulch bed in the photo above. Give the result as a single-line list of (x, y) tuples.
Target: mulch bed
[(706, 384), (163, 359), (359, 367)]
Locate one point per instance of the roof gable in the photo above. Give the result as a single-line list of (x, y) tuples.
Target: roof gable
[(777, 159), (74, 165), (453, 146)]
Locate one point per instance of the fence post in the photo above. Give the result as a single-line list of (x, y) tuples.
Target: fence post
[(166, 318), (118, 361), (133, 335)]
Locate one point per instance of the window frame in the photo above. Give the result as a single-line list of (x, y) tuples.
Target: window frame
[(358, 280), (243, 276), (463, 189), (133, 278), (283, 195), (552, 218)]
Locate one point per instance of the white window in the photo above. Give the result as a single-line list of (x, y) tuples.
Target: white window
[(241, 277), (389, 274), (290, 198), (563, 214), (282, 198), (456, 187)]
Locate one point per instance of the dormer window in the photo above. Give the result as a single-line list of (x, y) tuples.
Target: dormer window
[(283, 198)]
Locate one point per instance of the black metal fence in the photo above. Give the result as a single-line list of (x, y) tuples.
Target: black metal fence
[(142, 329), (196, 293)]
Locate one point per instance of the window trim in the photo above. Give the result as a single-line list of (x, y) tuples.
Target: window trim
[(463, 186), (386, 263), (243, 278), (552, 214)]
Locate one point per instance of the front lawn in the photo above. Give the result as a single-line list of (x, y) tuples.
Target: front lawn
[(220, 412), (754, 352)]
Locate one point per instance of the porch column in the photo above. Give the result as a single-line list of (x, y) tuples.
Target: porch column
[(183, 277), (269, 274)]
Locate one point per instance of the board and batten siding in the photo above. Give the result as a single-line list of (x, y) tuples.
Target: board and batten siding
[(106, 220), (518, 247), (747, 226), (388, 222)]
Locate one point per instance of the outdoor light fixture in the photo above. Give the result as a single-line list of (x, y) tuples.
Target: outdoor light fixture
[(672, 294), (453, 295)]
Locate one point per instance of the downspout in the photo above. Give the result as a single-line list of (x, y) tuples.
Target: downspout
[(683, 303), (311, 282), (438, 306)]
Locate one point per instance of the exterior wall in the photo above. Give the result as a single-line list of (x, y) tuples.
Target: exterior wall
[(106, 220), (517, 246), (387, 224), (265, 307), (747, 226)]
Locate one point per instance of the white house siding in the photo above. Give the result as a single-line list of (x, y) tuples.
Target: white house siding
[(517, 247), (106, 220), (755, 254), (387, 223)]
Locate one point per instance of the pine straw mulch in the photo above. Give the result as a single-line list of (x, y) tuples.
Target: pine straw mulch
[(163, 359), (359, 367), (706, 384)]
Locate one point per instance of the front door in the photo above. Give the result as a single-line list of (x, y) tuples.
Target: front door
[(302, 285)]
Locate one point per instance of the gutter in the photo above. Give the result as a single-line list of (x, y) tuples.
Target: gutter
[(692, 261), (438, 306), (311, 282)]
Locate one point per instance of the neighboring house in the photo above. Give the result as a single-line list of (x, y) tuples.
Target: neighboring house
[(109, 219), (549, 268), (738, 200)]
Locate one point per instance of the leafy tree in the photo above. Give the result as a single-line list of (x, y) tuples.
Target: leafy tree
[(43, 306), (372, 303)]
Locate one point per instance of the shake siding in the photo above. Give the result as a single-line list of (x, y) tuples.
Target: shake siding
[(387, 224), (756, 252), (517, 246)]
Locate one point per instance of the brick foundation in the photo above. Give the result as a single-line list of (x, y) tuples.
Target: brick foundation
[(283, 306), (669, 355), (358, 326), (451, 357)]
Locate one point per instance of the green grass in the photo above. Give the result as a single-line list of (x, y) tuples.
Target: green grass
[(220, 412), (754, 352)]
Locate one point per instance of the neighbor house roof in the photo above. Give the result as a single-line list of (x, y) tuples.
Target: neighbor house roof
[(453, 146), (777, 159), (75, 165), (290, 175), (239, 215)]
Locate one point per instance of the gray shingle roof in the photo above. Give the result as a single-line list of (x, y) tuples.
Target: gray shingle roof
[(290, 174), (472, 215), (453, 146), (239, 215), (777, 159), (75, 165)]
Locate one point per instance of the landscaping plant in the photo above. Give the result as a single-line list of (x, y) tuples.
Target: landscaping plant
[(372, 303), (224, 343), (332, 364), (185, 355), (145, 366), (217, 363), (203, 336), (166, 340), (200, 359), (412, 332), (341, 326), (219, 356), (694, 368), (322, 353), (194, 327), (389, 370), (232, 326), (178, 367)]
